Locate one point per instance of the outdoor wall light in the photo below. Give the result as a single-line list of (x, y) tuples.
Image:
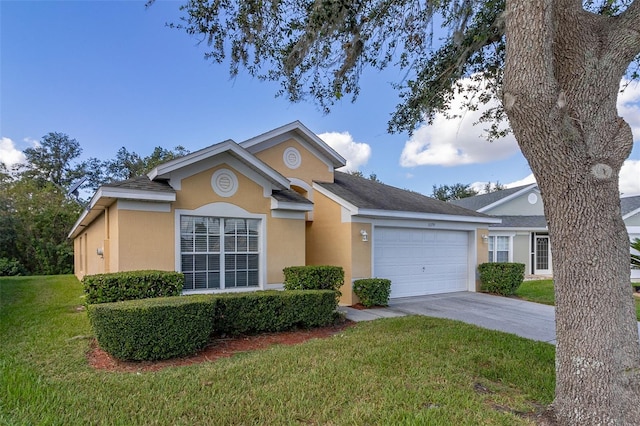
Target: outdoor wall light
[(100, 252), (365, 236), (485, 238)]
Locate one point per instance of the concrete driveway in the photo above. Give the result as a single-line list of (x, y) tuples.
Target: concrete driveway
[(527, 319)]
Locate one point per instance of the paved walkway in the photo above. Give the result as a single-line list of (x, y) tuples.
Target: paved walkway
[(527, 319)]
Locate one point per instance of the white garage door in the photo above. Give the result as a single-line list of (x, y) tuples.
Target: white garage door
[(421, 261)]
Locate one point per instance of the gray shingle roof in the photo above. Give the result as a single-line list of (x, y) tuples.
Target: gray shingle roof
[(290, 196), (629, 204), (479, 201), (142, 183), (367, 194), (520, 222)]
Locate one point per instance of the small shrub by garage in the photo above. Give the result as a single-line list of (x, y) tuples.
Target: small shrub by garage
[(267, 311), (119, 286), (314, 278), (373, 291), (501, 277), (153, 329)]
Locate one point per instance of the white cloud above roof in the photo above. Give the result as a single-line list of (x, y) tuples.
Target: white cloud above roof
[(9, 154), (454, 142), (630, 178), (357, 154)]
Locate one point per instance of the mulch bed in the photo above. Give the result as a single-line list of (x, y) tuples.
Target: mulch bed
[(219, 348)]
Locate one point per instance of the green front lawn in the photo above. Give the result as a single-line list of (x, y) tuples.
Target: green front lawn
[(411, 370), (541, 291)]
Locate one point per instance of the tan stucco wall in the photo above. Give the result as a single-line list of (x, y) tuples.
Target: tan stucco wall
[(196, 191), (311, 168), (112, 248), (520, 206), (329, 242), (146, 241), (86, 244), (285, 247)]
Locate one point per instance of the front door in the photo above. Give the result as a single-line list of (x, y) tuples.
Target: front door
[(542, 255)]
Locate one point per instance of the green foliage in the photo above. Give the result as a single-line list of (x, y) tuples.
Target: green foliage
[(10, 267), (127, 165), (118, 286), (501, 277), (372, 291), (153, 329), (35, 217), (635, 256), (52, 160), (453, 192), (314, 278), (168, 327), (263, 311)]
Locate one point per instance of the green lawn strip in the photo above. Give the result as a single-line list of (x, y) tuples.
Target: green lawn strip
[(411, 370), (541, 291)]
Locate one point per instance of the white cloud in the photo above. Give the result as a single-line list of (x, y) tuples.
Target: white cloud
[(356, 153), (628, 106), (457, 141), (527, 180), (9, 154), (452, 142), (630, 177)]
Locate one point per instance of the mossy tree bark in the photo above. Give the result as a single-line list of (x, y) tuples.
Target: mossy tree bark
[(562, 77)]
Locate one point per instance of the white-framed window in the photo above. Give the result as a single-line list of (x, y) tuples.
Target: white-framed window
[(499, 248), (219, 253)]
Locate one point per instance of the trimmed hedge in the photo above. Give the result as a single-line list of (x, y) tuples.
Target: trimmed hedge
[(153, 329), (501, 277), (373, 291), (161, 328), (119, 286), (266, 311), (314, 278)]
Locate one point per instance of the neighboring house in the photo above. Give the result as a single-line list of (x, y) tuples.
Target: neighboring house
[(231, 216), (523, 236)]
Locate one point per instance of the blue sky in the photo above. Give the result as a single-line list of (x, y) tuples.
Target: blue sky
[(111, 74)]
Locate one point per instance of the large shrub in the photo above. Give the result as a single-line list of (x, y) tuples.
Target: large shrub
[(119, 286), (501, 277), (373, 291), (160, 328), (153, 329), (314, 278), (10, 267)]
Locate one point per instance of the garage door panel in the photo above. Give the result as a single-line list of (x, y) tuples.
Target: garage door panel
[(421, 261)]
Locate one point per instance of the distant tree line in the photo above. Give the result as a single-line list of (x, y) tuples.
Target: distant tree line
[(37, 210), (458, 191)]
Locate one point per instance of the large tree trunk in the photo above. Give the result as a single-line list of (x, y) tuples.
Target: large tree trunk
[(562, 75)]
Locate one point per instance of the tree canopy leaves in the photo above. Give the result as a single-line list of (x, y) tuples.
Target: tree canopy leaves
[(318, 49)]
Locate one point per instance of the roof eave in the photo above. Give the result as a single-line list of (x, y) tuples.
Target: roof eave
[(163, 171), (336, 159), (407, 215), (105, 196)]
